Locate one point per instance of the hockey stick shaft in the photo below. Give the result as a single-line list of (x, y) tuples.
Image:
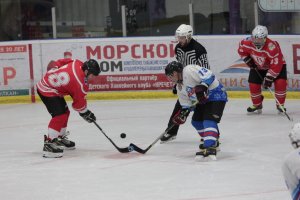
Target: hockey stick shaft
[(121, 150), (143, 151), (272, 93), (281, 107)]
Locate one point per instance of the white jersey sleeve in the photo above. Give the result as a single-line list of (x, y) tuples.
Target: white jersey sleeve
[(183, 97), (194, 75), (291, 173)]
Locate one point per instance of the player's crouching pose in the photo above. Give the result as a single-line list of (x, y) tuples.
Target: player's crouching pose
[(199, 85), (70, 77), (267, 65), (291, 165)]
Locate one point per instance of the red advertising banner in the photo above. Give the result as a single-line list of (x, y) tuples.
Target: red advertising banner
[(130, 82)]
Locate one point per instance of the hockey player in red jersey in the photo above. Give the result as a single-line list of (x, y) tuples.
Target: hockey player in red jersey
[(54, 64), (267, 66), (70, 77)]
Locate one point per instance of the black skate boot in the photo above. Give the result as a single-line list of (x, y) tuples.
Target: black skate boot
[(51, 149), (201, 146), (167, 137), (64, 142), (280, 111), (255, 109), (207, 154)]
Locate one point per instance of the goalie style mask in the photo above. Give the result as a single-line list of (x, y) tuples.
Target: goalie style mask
[(183, 34), (92, 67), (259, 36), (295, 135)]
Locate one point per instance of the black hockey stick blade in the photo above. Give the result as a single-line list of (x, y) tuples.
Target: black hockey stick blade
[(121, 150), (133, 147), (143, 151)]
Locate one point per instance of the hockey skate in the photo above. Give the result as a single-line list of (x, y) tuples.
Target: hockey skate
[(51, 149), (255, 109), (207, 154), (167, 138), (64, 142), (280, 111), (201, 146)]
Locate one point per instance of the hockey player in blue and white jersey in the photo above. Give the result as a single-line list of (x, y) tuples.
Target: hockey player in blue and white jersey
[(291, 165), (188, 51), (201, 92)]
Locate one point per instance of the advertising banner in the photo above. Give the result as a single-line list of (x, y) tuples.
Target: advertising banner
[(132, 64), (15, 70), (126, 63)]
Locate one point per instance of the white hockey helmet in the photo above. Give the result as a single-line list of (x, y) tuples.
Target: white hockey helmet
[(184, 30), (259, 36), (295, 135)]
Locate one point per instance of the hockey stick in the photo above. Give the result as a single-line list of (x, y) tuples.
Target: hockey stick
[(121, 150), (272, 93), (143, 151)]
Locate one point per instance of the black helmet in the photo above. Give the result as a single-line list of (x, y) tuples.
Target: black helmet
[(173, 67), (92, 67)]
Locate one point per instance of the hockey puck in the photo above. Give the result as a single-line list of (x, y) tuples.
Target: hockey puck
[(123, 135)]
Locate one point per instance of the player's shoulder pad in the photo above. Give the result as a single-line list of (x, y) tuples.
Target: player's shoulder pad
[(247, 41), (272, 48), (78, 62)]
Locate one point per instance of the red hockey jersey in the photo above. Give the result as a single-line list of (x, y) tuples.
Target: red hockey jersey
[(268, 58), (67, 79)]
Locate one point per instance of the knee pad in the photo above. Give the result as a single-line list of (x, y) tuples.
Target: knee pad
[(211, 128), (198, 125), (58, 122)]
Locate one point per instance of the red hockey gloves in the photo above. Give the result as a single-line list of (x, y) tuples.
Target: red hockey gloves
[(250, 62), (268, 80), (181, 116), (201, 93), (88, 116)]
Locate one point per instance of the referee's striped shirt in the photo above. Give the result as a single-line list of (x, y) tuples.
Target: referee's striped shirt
[(193, 53)]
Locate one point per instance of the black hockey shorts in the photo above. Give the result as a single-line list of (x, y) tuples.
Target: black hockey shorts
[(254, 77), (55, 105), (212, 110)]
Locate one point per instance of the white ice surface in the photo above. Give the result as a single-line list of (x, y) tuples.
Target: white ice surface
[(248, 166)]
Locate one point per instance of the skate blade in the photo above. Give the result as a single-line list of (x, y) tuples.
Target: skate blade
[(205, 159), (169, 140), (52, 155), (69, 148), (66, 148), (257, 112)]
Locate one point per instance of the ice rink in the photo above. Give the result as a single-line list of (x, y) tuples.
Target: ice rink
[(248, 166)]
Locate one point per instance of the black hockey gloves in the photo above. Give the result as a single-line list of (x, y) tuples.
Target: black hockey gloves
[(181, 116), (201, 93), (174, 89), (88, 116), (268, 80), (250, 62)]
